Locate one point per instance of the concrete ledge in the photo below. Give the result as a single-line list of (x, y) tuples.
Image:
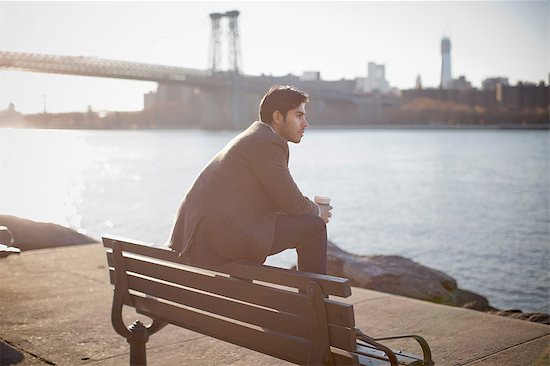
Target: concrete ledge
[(55, 310)]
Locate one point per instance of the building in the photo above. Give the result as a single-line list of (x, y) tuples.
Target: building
[(523, 96), (492, 83), (459, 84), (311, 75), (418, 83), (10, 117), (375, 80), (446, 75)]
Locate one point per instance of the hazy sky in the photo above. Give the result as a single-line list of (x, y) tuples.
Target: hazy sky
[(489, 38)]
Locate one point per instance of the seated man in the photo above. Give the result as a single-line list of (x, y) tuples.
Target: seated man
[(245, 206)]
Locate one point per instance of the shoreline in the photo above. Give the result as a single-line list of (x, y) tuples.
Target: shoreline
[(516, 127), (508, 127), (434, 125)]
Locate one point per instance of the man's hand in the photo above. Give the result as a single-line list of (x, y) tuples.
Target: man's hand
[(324, 212)]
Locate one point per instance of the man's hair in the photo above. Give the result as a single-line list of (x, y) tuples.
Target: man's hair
[(280, 98)]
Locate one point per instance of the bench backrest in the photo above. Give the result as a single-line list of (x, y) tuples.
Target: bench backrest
[(258, 307)]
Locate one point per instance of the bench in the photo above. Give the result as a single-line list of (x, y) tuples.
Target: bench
[(279, 312)]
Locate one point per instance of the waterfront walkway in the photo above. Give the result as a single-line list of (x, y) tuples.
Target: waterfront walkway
[(55, 310)]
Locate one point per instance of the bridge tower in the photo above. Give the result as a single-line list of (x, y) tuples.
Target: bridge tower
[(215, 42), (234, 49), (233, 45)]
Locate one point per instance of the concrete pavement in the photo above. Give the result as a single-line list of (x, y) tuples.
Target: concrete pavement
[(55, 310)]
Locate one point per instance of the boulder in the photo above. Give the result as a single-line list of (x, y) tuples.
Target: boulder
[(402, 276), (471, 300), (542, 318), (392, 274), (28, 234)]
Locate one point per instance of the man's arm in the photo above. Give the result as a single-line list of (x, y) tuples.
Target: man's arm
[(270, 168)]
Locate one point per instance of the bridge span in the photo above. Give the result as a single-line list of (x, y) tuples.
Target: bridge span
[(99, 67), (187, 97)]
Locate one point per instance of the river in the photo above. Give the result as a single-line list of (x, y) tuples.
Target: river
[(473, 203)]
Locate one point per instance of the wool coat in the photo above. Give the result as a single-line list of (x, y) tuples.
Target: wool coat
[(229, 212)]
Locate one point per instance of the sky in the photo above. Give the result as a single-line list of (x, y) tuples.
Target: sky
[(489, 38)]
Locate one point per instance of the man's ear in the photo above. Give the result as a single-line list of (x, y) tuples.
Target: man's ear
[(277, 117)]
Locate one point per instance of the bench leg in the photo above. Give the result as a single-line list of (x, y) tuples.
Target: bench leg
[(136, 334), (319, 349), (137, 340)]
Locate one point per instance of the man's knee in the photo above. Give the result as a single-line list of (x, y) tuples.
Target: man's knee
[(318, 224), (321, 223)]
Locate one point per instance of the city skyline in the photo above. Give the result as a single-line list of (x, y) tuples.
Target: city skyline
[(489, 39)]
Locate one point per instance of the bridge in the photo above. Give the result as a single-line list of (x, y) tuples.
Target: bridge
[(204, 98), (98, 67)]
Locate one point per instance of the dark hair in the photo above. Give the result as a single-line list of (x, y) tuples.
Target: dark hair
[(280, 98)]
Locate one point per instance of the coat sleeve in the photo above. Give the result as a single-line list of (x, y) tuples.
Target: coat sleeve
[(270, 166)]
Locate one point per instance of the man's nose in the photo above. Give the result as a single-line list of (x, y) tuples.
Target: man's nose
[(305, 123)]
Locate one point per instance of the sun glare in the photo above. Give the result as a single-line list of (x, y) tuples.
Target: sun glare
[(42, 174)]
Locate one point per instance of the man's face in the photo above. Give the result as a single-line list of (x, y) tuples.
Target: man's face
[(293, 126)]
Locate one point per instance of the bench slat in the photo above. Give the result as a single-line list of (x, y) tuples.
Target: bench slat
[(289, 302), (288, 348), (330, 285)]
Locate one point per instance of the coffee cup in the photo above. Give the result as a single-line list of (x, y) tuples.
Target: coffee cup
[(321, 200)]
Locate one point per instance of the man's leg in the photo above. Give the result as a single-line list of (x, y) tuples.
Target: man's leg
[(308, 234)]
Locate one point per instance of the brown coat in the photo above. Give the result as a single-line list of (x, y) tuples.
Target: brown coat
[(230, 209)]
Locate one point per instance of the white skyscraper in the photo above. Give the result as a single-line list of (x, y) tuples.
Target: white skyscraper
[(446, 76)]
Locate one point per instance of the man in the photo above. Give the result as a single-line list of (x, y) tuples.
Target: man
[(245, 206)]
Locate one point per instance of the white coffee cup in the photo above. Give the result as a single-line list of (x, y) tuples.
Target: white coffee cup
[(321, 200)]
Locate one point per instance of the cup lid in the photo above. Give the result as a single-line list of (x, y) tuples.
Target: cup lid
[(321, 200)]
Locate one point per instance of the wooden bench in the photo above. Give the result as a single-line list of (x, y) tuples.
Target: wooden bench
[(283, 313)]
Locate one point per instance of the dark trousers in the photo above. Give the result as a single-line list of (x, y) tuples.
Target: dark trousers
[(308, 234)]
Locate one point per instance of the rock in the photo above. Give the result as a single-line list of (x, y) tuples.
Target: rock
[(471, 300), (402, 276), (518, 314), (28, 234), (392, 274)]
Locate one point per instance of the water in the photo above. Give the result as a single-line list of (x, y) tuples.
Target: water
[(474, 204)]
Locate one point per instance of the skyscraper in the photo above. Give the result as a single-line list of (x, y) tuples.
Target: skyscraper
[(446, 77)]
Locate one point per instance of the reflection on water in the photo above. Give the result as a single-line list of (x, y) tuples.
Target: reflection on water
[(42, 174), (474, 204)]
